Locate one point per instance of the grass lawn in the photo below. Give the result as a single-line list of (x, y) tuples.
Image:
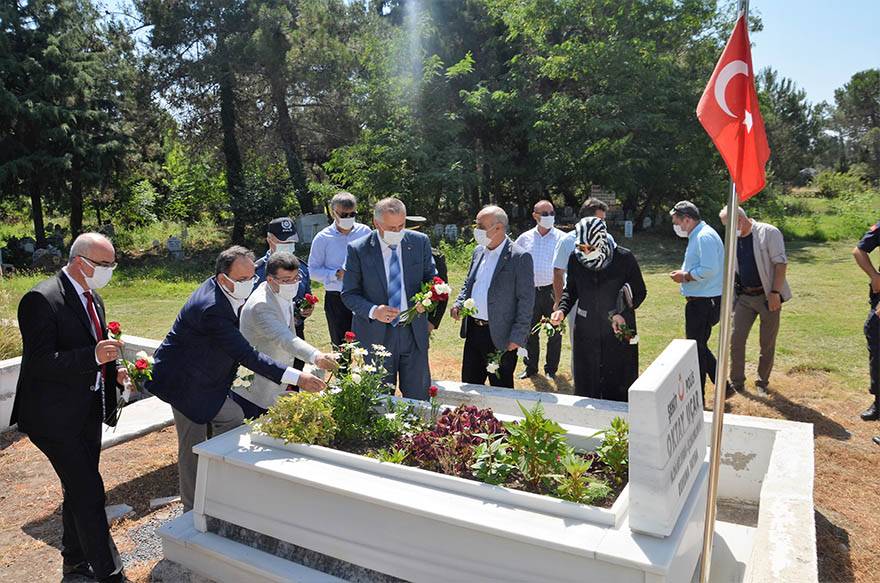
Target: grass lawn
[(821, 326)]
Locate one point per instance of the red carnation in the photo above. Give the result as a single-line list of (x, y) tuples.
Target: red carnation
[(433, 391), (311, 299), (115, 328), (141, 364), (438, 280), (349, 336)]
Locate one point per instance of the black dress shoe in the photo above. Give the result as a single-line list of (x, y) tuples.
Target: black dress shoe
[(551, 375), (525, 374), (81, 569), (872, 413), (730, 391)]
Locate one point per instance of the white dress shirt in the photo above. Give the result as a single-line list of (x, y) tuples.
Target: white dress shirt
[(542, 249), (485, 271), (386, 260)]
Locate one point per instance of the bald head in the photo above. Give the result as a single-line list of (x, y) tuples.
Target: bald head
[(494, 221), (93, 246)]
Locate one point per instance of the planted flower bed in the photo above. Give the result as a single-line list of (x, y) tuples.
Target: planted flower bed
[(532, 454)]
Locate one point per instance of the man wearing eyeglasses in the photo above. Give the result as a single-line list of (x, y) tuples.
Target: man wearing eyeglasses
[(66, 387), (199, 358), (540, 242), (327, 261), (268, 321)]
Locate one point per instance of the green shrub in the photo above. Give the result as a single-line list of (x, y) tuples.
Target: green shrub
[(299, 418), (837, 184), (575, 483), (536, 446), (614, 451)]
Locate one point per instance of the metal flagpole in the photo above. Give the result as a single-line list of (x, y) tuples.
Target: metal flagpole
[(723, 369)]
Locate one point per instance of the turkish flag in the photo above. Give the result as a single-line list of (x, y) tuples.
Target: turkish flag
[(729, 113)]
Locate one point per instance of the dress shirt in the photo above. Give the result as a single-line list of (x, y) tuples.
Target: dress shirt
[(704, 260), (542, 248), (80, 292), (291, 375), (485, 271), (329, 251), (386, 259)]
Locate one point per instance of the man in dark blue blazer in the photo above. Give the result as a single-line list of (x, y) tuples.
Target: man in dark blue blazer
[(382, 272), (198, 360)]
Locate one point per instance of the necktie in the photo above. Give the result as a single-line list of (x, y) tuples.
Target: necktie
[(99, 335), (394, 282)]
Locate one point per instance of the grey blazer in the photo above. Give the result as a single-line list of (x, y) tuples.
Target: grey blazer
[(262, 323), (511, 295), (366, 285)]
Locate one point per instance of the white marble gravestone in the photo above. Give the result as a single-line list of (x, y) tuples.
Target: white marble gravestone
[(667, 443)]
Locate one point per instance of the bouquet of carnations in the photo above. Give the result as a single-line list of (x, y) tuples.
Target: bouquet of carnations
[(139, 371), (307, 301), (432, 294), (547, 327), (468, 308)]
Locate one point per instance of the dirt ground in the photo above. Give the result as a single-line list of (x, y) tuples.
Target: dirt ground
[(846, 489)]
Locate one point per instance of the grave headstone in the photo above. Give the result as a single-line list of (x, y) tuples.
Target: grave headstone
[(628, 229), (451, 233), (175, 247), (667, 444)]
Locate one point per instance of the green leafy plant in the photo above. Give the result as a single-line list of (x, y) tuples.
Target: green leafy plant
[(535, 446), (491, 464), (391, 455), (575, 484), (299, 418), (614, 451)]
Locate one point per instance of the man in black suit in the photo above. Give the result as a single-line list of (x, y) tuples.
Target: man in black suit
[(66, 387)]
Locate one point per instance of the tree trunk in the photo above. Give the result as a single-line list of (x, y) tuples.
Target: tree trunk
[(235, 188), (76, 207), (37, 212), (289, 142)]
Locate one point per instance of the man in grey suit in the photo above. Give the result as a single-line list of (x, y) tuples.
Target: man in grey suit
[(382, 272), (500, 282), (267, 321)]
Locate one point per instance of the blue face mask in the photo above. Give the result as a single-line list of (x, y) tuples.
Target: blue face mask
[(286, 247)]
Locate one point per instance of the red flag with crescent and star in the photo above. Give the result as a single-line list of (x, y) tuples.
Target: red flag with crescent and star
[(729, 113)]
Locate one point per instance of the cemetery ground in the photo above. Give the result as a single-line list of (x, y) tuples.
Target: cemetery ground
[(820, 377)]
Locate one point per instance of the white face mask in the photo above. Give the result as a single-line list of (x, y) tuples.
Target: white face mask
[(547, 222), (392, 238), (481, 237), (240, 289), (100, 277), (287, 291), (346, 223), (679, 230), (286, 247)]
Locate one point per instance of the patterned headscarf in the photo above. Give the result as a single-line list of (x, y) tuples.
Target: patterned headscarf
[(592, 231)]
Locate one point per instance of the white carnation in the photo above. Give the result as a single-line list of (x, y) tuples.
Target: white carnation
[(355, 377), (470, 304), (492, 367), (427, 302), (141, 354)]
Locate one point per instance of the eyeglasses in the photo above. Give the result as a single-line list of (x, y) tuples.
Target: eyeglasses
[(253, 279), (287, 280), (346, 215), (546, 213), (93, 263)]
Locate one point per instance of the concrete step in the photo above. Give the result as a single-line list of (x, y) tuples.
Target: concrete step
[(227, 561), (138, 418)]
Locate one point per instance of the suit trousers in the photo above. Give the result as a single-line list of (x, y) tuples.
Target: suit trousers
[(300, 329), (477, 348), (408, 364), (190, 434), (872, 335), (338, 317), (700, 316), (75, 458), (543, 307), (745, 310)]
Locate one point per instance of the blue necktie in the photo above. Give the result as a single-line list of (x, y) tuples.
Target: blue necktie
[(394, 282)]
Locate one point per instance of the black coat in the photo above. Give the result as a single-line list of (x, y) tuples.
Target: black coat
[(442, 273), (606, 367), (58, 367)]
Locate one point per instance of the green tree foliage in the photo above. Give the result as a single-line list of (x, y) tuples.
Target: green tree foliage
[(858, 116), (63, 105)]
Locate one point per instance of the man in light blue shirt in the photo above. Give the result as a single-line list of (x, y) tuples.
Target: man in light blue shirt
[(327, 261), (700, 279)]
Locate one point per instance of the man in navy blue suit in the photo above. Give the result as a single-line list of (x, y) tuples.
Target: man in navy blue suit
[(382, 272), (198, 360)]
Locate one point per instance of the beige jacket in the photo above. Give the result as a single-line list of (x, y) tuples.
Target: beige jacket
[(262, 323), (769, 248)]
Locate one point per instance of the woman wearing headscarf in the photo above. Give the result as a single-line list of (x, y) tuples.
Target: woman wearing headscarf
[(606, 285)]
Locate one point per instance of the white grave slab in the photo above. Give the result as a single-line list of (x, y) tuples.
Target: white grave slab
[(667, 444)]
